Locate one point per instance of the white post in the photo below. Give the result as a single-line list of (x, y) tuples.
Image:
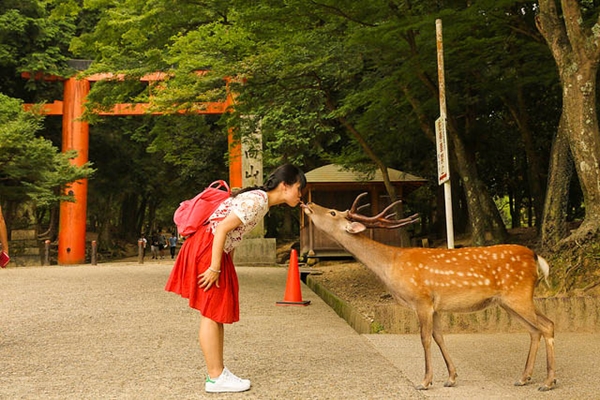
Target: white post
[(441, 138)]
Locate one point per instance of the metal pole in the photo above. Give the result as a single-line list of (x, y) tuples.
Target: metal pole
[(442, 89)]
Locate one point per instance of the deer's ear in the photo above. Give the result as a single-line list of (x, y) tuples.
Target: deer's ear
[(355, 227)]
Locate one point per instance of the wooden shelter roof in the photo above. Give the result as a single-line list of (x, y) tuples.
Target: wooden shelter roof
[(336, 174)]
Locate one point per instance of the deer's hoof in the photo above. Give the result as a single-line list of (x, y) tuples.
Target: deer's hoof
[(451, 381), (423, 386), (523, 382), (545, 387)]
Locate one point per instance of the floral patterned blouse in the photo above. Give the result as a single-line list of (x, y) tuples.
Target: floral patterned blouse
[(250, 207)]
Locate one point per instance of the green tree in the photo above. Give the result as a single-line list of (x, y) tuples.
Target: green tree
[(34, 37), (366, 64), (571, 31), (146, 166), (31, 168), (355, 82)]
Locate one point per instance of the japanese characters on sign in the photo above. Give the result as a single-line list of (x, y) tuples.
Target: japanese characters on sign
[(442, 151)]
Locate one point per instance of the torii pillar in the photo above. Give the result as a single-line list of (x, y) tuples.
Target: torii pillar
[(75, 136)]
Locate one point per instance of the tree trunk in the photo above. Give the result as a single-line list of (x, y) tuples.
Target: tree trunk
[(584, 141), (141, 217), (104, 223), (484, 218), (51, 232), (128, 228), (513, 207), (554, 220), (576, 50), (534, 163)]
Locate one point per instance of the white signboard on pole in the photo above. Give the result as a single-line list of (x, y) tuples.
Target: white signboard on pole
[(442, 150)]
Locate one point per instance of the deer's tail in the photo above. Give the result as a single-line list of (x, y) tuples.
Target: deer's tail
[(543, 268)]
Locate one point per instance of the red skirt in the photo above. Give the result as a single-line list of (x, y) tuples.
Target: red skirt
[(221, 304)]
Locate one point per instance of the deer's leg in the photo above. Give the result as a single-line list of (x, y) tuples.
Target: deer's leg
[(538, 325), (535, 335), (547, 327), (439, 339), (425, 317)]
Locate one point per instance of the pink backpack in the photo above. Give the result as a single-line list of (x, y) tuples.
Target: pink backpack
[(193, 213)]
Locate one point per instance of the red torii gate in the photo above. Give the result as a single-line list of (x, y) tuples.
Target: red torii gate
[(75, 136)]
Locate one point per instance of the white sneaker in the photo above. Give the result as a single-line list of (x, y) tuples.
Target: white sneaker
[(226, 382)]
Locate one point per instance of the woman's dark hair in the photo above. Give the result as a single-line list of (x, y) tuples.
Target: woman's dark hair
[(286, 173)]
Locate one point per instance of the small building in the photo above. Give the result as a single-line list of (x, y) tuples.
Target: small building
[(334, 187)]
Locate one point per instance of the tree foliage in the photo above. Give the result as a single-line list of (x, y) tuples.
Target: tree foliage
[(31, 168), (352, 82), (349, 82), (34, 37), (150, 164)]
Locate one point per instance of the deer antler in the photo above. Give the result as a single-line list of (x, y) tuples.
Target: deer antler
[(381, 220)]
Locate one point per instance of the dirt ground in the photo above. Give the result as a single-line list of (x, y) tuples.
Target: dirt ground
[(354, 283)]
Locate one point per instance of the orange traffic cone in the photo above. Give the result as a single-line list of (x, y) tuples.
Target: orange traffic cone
[(293, 292)]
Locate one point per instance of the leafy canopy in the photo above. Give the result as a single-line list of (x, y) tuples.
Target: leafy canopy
[(31, 168)]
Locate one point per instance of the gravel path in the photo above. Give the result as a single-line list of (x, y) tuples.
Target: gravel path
[(111, 332)]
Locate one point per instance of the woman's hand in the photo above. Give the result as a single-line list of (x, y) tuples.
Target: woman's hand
[(208, 278)]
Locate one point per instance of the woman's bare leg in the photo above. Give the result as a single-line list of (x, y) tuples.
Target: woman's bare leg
[(211, 338)]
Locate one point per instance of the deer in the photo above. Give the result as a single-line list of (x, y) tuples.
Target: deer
[(433, 280)]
